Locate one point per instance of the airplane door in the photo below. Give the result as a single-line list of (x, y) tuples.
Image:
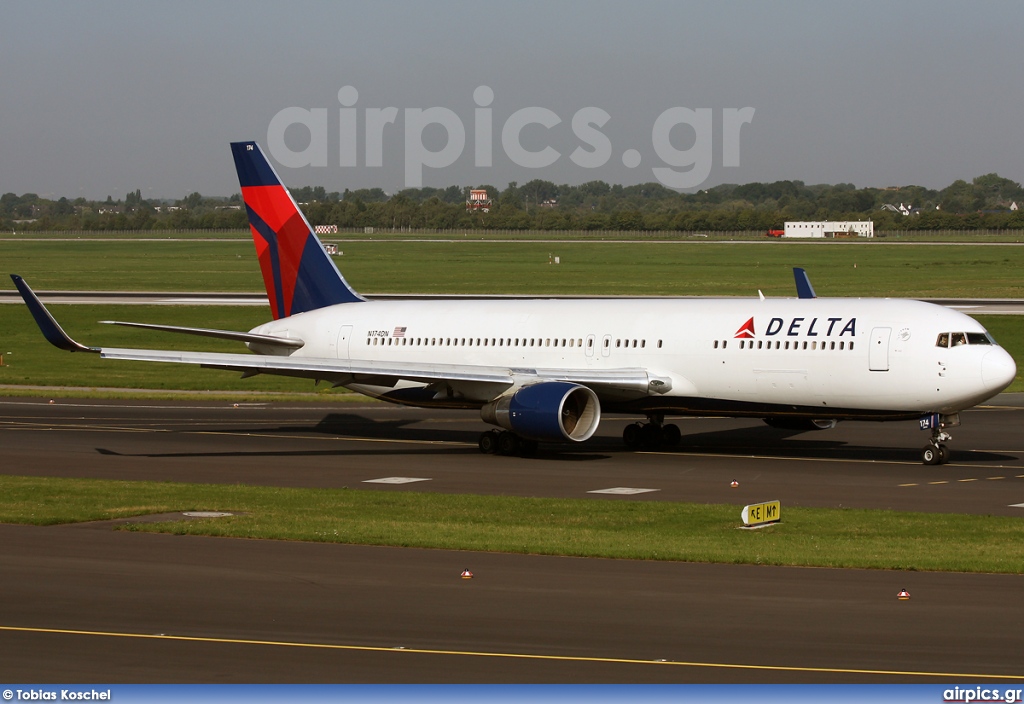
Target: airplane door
[(606, 345), (878, 350), (343, 338)]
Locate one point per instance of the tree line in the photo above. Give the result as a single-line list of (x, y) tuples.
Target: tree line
[(984, 203)]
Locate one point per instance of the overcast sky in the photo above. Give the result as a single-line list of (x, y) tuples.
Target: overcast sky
[(100, 98)]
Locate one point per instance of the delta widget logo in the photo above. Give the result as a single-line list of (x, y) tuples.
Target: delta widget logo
[(746, 331)]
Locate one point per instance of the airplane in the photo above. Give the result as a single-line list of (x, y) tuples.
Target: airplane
[(546, 370)]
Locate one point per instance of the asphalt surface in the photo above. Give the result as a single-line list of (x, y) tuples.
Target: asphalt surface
[(977, 306), (87, 603)]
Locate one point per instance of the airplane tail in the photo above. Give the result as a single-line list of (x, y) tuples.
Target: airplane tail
[(298, 274)]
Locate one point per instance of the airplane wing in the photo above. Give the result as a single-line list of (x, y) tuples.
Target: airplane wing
[(339, 371)]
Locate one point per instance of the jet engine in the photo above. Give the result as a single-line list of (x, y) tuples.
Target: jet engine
[(549, 410)]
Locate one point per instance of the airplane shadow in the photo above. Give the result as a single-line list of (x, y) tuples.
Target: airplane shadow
[(764, 441), (756, 441), (357, 427)]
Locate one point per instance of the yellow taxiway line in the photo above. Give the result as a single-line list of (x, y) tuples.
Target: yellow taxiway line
[(519, 656)]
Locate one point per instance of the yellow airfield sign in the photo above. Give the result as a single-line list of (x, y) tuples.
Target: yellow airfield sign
[(758, 514)]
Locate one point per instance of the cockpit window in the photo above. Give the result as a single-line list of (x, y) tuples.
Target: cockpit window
[(955, 339)]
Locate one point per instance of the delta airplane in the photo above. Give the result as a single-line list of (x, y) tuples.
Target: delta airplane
[(545, 370)]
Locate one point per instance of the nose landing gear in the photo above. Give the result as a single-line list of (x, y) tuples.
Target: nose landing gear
[(936, 452)]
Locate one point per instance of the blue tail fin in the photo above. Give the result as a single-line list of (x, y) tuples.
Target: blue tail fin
[(298, 274)]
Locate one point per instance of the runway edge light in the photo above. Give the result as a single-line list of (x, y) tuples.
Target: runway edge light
[(466, 574), (903, 595), (734, 483), (762, 513)]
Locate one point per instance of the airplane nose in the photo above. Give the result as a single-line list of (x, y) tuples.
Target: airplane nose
[(998, 370)]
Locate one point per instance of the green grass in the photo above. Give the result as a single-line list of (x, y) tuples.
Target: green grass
[(488, 267), (577, 527)]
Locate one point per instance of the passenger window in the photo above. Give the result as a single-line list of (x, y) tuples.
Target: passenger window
[(716, 344)]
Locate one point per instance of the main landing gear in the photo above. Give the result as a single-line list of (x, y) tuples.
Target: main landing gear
[(505, 442), (936, 452), (651, 435)]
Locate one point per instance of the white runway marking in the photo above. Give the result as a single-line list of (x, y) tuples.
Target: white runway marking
[(395, 480), (1016, 505), (625, 490)]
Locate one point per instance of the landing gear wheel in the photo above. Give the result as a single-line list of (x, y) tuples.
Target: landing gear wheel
[(671, 435), (631, 435), (931, 455), (650, 436), (488, 442), (943, 454), (508, 443)]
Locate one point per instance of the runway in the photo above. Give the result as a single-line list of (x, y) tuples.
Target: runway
[(86, 603)]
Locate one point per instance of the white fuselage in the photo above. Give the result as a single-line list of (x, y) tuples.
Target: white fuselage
[(842, 357)]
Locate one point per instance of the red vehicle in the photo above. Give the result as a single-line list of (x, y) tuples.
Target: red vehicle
[(775, 233)]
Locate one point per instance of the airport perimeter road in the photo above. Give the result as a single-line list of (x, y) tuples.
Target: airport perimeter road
[(87, 604), (865, 465), (978, 306)]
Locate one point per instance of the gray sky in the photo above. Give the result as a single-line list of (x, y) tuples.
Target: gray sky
[(100, 98)]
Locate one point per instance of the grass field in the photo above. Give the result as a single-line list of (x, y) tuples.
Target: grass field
[(647, 530), (586, 268)]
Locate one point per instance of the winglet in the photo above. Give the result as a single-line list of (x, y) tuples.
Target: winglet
[(803, 284), (52, 331)]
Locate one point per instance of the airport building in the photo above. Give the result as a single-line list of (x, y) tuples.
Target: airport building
[(825, 228)]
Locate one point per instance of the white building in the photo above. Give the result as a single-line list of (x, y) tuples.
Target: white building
[(826, 228)]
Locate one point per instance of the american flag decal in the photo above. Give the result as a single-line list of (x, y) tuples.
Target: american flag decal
[(399, 332)]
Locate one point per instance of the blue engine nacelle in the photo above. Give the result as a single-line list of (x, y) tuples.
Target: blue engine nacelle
[(549, 410)]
